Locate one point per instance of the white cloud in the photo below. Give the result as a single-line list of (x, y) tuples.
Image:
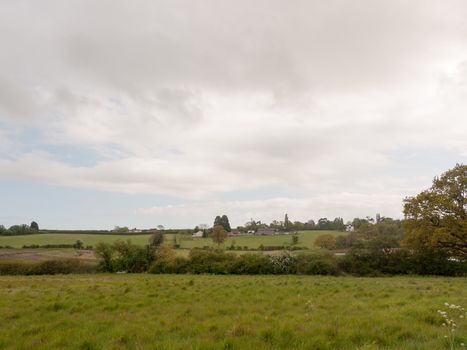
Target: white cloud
[(196, 100)]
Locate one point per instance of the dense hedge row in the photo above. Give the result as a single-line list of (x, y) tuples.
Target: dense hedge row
[(264, 248), (218, 262), (50, 267), (36, 246), (359, 261)]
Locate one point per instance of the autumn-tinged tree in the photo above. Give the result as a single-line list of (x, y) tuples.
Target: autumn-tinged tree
[(218, 235), (436, 218), (326, 241)]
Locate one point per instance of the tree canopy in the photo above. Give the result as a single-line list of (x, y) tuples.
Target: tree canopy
[(34, 226), (436, 218), (223, 221), (218, 234)]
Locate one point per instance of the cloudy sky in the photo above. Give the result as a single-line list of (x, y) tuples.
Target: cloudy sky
[(141, 113)]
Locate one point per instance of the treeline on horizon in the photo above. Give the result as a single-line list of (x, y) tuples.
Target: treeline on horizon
[(431, 240), (281, 226)]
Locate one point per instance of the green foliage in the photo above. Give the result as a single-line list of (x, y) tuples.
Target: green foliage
[(380, 257), (34, 226), (156, 239), (143, 311), (49, 267), (78, 244), (326, 241), (211, 261), (252, 264), (217, 262), (287, 223), (49, 246), (436, 218), (325, 224), (119, 229), (222, 221), (17, 230), (105, 252), (130, 257), (294, 239), (218, 234), (123, 256), (177, 264), (316, 264)]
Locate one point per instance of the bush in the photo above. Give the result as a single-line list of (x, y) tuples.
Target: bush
[(212, 261), (130, 257), (283, 264), (326, 241), (123, 256), (316, 264), (252, 264), (50, 267), (176, 264), (36, 246)]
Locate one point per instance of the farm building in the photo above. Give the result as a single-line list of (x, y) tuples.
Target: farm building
[(234, 232), (266, 231), (198, 234)]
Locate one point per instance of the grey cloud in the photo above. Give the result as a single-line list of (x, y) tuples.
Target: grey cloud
[(198, 98)]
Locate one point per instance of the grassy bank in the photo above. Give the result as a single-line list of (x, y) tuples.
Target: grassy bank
[(225, 312)]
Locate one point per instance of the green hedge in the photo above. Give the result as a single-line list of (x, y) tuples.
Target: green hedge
[(217, 262), (50, 267)]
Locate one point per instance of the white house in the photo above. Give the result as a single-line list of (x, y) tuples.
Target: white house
[(198, 234)]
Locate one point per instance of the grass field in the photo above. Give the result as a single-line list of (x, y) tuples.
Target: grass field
[(306, 239), (226, 312)]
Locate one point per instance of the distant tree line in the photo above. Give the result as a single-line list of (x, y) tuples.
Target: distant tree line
[(17, 230)]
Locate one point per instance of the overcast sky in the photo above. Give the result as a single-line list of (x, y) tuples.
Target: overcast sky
[(141, 113)]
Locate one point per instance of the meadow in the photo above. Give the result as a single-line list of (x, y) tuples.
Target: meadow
[(306, 239), (226, 312)]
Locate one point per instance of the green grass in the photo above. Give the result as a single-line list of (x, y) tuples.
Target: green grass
[(225, 312), (57, 238), (306, 239)]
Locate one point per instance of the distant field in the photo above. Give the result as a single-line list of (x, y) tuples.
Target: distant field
[(43, 254), (306, 239), (57, 238), (226, 312)]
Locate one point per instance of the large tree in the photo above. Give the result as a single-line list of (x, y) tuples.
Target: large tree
[(34, 226), (225, 223), (222, 221), (436, 218)]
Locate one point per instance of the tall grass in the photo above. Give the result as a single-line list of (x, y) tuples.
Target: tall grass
[(226, 312)]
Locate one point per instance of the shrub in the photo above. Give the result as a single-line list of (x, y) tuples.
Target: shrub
[(105, 252), (316, 264), (283, 264), (130, 257), (326, 241), (213, 261), (50, 267), (176, 264), (156, 239), (252, 264), (123, 256)]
